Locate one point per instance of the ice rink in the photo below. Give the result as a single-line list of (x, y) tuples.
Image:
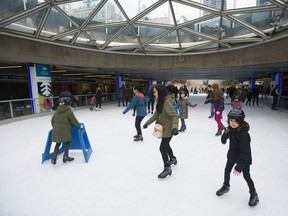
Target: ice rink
[(120, 178)]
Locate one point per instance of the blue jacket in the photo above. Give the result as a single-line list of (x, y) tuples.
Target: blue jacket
[(139, 104)]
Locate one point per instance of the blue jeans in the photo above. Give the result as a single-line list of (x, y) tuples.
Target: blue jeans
[(212, 109)]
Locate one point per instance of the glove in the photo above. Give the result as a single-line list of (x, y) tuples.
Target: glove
[(217, 112), (145, 126), (194, 105), (236, 172), (174, 132)]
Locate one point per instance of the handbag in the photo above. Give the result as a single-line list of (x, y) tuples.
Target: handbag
[(158, 131), (92, 100)]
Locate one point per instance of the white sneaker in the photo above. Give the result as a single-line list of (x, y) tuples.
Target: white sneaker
[(99, 109), (96, 109)]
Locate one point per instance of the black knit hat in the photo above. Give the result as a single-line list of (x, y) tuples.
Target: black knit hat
[(236, 114)]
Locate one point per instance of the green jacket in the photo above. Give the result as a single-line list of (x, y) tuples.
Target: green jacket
[(168, 118), (61, 121)]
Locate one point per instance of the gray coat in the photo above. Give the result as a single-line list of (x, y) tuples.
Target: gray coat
[(183, 106)]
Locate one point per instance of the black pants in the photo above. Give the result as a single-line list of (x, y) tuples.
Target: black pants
[(183, 125), (275, 100), (151, 105), (166, 150), (246, 175), (138, 121), (256, 98), (98, 102), (57, 146)]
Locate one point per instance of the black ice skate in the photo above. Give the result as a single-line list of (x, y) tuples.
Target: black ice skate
[(138, 138), (54, 159), (254, 199), (167, 171), (224, 189), (172, 161), (66, 158)]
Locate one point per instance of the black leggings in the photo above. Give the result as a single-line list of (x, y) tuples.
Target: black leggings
[(246, 175), (57, 146), (138, 121), (166, 150)]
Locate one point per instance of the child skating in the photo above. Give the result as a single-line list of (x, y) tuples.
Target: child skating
[(239, 153), (183, 104)]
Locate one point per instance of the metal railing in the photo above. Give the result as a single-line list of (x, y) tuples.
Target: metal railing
[(21, 107)]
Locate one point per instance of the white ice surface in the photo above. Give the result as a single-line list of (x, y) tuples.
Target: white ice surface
[(120, 178)]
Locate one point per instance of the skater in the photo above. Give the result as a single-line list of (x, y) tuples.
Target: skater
[(209, 95), (183, 104), (61, 121), (236, 103), (151, 99), (218, 98), (239, 153), (275, 94), (98, 96), (166, 116), (139, 102)]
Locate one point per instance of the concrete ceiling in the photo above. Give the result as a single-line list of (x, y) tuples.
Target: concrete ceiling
[(256, 54)]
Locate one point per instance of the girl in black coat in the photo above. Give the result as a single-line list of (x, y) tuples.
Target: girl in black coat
[(239, 153)]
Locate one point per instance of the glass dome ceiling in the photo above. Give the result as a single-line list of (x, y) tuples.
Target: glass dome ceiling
[(146, 27)]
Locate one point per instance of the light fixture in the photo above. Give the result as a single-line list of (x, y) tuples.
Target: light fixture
[(76, 74), (8, 67), (58, 71)]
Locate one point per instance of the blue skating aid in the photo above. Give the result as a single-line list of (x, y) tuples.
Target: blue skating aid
[(79, 140)]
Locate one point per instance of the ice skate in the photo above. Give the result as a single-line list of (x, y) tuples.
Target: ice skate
[(224, 189), (172, 161), (167, 171), (138, 138), (66, 158), (254, 199)]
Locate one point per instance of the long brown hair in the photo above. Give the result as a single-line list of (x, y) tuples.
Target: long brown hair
[(216, 92)]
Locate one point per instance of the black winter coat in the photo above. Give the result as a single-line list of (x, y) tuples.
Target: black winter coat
[(239, 149)]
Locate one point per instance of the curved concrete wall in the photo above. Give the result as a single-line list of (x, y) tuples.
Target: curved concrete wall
[(21, 50)]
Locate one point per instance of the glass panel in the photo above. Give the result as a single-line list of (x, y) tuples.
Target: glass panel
[(108, 13), (57, 23), (230, 29), (170, 38), (134, 7), (9, 8), (185, 13), (147, 33), (31, 21), (262, 20), (234, 4)]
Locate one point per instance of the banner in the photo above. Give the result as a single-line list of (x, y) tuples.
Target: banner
[(40, 87)]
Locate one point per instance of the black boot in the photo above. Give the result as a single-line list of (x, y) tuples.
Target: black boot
[(54, 159), (254, 199), (182, 129), (67, 158), (138, 138), (167, 171), (219, 132), (224, 189), (172, 161)]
